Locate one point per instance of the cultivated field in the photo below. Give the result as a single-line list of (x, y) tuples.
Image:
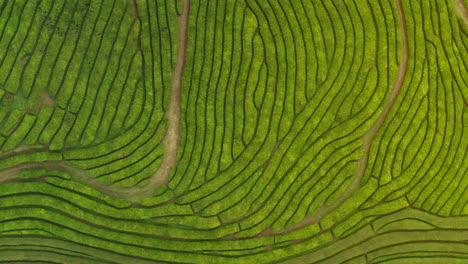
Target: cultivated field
[(233, 131)]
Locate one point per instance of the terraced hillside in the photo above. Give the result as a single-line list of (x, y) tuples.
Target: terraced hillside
[(233, 131)]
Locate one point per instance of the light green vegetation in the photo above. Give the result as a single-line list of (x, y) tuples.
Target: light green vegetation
[(310, 131)]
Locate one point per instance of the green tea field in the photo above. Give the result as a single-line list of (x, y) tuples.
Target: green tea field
[(234, 131)]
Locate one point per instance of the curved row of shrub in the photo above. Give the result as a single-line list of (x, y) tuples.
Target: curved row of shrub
[(276, 99)]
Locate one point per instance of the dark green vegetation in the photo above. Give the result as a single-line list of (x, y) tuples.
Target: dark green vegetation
[(308, 131)]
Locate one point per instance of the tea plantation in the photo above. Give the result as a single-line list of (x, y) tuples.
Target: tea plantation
[(233, 131)]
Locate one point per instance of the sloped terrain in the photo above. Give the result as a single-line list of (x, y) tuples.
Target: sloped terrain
[(253, 131)]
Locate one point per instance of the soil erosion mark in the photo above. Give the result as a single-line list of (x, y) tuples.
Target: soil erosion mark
[(367, 138), (171, 140)]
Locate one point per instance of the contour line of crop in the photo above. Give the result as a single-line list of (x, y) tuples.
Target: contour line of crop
[(171, 140)]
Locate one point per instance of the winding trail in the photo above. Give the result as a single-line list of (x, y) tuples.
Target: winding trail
[(171, 140), (367, 138)]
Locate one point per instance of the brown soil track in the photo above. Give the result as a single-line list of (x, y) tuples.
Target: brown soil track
[(367, 138), (171, 140)]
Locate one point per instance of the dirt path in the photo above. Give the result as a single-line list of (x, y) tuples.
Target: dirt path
[(367, 138), (171, 140)]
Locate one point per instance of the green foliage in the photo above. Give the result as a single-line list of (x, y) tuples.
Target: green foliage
[(306, 135)]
